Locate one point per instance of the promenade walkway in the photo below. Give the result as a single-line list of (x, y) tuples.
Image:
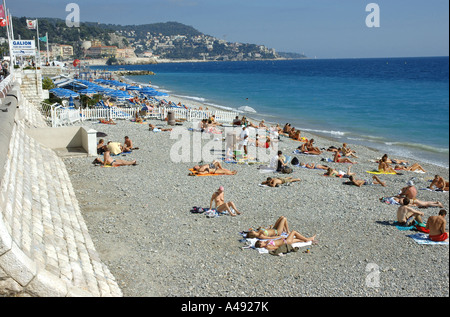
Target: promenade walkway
[(45, 247)]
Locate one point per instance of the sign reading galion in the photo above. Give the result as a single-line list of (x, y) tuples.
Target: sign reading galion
[(22, 44), (23, 47)]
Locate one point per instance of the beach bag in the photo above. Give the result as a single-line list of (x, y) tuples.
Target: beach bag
[(295, 161), (286, 170)]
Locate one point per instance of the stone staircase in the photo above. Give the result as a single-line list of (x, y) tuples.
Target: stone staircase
[(31, 90), (45, 247)]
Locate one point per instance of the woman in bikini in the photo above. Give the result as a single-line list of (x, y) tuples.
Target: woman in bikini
[(313, 166), (214, 168), (280, 226), (412, 168), (338, 159), (274, 244), (332, 172)]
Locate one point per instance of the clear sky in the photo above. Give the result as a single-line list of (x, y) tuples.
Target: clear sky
[(318, 28)]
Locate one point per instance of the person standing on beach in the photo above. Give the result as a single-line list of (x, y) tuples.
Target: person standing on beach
[(221, 206), (436, 225), (244, 139)]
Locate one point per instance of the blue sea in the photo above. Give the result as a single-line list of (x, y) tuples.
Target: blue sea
[(397, 105)]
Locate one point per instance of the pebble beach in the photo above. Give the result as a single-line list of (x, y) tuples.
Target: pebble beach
[(139, 218)]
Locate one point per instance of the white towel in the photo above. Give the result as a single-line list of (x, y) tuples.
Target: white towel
[(251, 244)]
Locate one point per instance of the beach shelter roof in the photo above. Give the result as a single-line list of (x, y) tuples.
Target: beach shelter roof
[(87, 91), (69, 83), (64, 93)]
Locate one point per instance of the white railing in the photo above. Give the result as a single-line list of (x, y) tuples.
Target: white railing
[(61, 116), (198, 115), (5, 85)]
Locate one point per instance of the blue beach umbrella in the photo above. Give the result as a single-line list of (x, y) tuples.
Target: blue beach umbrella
[(71, 103), (119, 94), (133, 88), (146, 90)]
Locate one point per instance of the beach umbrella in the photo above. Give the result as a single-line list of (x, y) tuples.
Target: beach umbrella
[(71, 104), (146, 89), (120, 94), (133, 88), (247, 109)]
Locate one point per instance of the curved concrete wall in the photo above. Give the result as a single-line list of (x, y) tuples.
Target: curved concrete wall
[(45, 247)]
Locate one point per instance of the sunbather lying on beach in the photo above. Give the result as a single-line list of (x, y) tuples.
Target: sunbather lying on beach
[(214, 168), (104, 121), (332, 172), (293, 237), (419, 203), (439, 183), (391, 161), (313, 166), (155, 129), (280, 226), (221, 205), (278, 181), (108, 160), (338, 159), (406, 214), (360, 182), (412, 168)]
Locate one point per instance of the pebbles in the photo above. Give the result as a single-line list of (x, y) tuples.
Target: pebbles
[(139, 219)]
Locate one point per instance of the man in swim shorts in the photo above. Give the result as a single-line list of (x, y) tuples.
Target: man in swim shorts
[(439, 183), (436, 225), (406, 215)]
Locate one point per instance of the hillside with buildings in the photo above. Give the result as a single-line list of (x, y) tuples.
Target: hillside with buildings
[(116, 44)]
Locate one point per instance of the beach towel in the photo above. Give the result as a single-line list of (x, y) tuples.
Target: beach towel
[(414, 226), (434, 190), (422, 238), (213, 213), (248, 161), (403, 228), (389, 201), (250, 244)]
